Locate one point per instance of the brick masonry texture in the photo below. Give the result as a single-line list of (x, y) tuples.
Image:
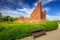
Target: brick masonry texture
[(36, 16)]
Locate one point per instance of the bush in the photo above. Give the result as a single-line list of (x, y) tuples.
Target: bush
[(9, 19), (24, 30), (1, 19), (1, 29)]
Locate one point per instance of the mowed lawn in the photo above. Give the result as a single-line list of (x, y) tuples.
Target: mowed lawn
[(15, 30)]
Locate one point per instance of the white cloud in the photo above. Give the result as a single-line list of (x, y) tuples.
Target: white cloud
[(47, 9), (52, 17), (44, 2), (50, 0), (58, 13), (26, 11), (35, 4), (20, 12), (10, 12), (47, 1), (16, 13)]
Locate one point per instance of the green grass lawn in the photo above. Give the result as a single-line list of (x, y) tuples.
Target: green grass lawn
[(15, 30)]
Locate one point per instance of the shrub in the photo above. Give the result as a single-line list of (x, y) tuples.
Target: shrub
[(24, 30), (1, 29)]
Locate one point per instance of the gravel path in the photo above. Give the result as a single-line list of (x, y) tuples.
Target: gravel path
[(52, 35)]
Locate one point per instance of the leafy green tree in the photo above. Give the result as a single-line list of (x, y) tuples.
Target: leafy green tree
[(8, 18), (1, 17), (4, 19), (15, 18), (12, 19)]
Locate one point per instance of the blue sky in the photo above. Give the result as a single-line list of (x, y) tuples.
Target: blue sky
[(16, 8)]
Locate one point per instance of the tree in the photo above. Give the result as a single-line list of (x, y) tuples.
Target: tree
[(1, 17), (8, 18), (4, 19), (12, 19)]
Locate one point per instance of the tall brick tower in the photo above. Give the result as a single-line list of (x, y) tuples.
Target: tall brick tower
[(36, 14), (43, 15)]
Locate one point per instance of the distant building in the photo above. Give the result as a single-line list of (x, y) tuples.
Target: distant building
[(36, 16)]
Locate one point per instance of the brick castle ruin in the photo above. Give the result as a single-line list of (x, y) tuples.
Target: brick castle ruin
[(36, 16)]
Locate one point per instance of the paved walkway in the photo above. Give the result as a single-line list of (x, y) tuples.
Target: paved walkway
[(52, 35)]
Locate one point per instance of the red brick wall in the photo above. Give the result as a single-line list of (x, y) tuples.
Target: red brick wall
[(21, 19), (36, 14)]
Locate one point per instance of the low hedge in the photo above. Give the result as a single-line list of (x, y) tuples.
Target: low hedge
[(24, 30)]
